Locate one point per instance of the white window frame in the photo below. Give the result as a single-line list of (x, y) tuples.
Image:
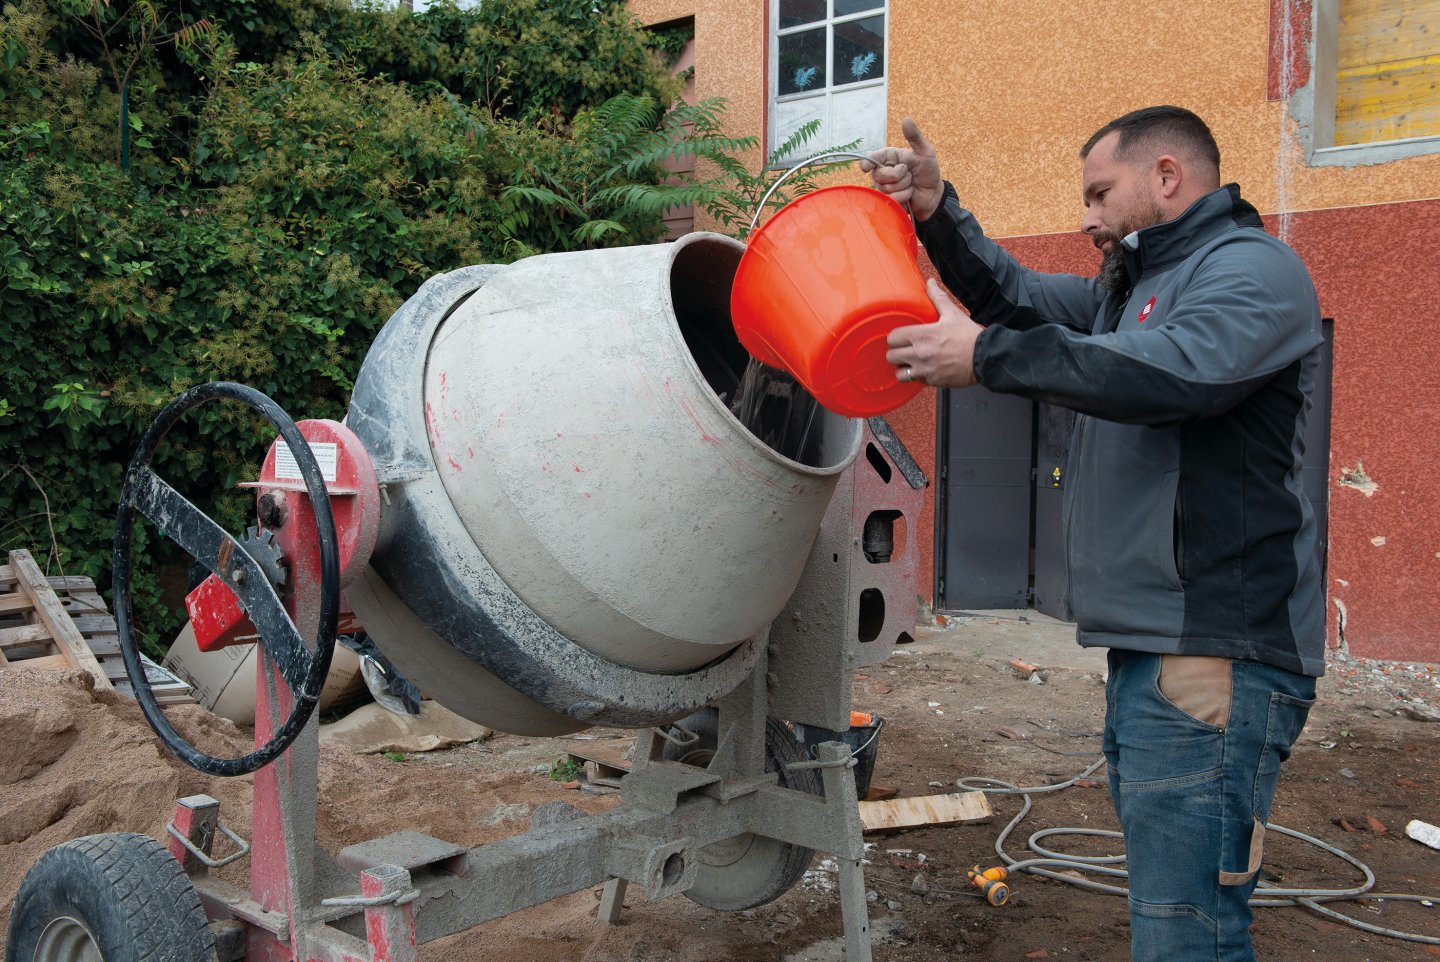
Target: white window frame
[(1314, 105), (822, 140)]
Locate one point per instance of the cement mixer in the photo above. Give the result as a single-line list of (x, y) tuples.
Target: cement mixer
[(543, 511)]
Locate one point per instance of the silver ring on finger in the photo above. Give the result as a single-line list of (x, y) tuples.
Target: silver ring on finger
[(908, 374)]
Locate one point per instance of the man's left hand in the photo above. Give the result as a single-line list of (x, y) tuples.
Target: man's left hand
[(941, 354)]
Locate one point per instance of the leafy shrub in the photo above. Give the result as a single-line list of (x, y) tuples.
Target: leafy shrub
[(297, 168), (275, 213)]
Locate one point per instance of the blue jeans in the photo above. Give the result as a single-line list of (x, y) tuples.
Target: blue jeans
[(1193, 769)]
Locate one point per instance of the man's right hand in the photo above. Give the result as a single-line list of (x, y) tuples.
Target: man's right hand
[(911, 174)]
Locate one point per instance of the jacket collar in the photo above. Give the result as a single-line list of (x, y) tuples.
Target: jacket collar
[(1203, 221)]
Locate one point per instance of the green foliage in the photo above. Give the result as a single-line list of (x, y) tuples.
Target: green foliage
[(297, 169), (75, 406), (602, 186), (670, 41), (732, 194), (520, 59), (605, 188), (565, 769), (285, 195)]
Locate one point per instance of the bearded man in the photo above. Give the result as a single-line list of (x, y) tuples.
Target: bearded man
[(1190, 361)]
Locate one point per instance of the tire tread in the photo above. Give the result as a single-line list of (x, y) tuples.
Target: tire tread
[(155, 908)]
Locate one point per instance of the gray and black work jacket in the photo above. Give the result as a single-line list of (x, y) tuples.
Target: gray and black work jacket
[(1186, 527)]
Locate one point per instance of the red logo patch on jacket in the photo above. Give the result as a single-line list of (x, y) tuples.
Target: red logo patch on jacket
[(1145, 311)]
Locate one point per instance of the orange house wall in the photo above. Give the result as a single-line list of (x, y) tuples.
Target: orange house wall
[(1007, 90)]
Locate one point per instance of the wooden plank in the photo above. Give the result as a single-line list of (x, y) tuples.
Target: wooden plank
[(1385, 31), (23, 635), (104, 646), (71, 583), (48, 609), (49, 661), (1393, 102), (7, 576), (925, 810), (84, 603), (167, 687), (94, 624), (15, 603), (603, 764)]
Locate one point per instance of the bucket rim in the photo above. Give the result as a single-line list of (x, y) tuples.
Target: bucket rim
[(830, 190)]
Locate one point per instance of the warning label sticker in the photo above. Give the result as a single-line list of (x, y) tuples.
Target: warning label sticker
[(325, 456)]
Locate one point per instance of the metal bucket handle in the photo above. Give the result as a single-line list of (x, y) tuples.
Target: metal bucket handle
[(804, 163)]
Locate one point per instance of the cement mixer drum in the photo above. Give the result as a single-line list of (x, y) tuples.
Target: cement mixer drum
[(576, 528)]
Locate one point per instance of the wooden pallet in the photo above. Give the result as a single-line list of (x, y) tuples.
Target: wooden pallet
[(63, 621)]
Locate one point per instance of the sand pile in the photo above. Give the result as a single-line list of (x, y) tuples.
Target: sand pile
[(75, 761)]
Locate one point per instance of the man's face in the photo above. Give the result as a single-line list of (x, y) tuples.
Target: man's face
[(1118, 195), (1119, 199)]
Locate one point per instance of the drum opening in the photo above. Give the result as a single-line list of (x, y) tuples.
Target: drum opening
[(773, 406)]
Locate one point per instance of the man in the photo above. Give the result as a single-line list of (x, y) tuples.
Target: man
[(1191, 545)]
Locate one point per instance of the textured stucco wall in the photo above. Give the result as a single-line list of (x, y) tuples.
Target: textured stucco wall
[(1008, 90), (1377, 270), (729, 61)]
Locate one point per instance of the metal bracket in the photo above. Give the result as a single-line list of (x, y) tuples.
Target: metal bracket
[(209, 862), (681, 737), (372, 901)]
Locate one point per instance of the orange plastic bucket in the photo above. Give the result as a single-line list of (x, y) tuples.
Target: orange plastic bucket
[(820, 287)]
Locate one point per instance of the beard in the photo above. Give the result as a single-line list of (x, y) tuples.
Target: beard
[(1113, 277)]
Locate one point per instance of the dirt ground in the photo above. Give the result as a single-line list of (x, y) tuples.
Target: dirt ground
[(1366, 765)]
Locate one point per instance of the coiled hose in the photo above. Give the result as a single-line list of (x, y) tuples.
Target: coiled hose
[(1050, 863)]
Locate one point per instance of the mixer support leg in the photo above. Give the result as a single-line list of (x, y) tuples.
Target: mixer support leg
[(612, 900), (854, 911)]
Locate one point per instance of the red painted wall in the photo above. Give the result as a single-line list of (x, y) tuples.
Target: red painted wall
[(1377, 271)]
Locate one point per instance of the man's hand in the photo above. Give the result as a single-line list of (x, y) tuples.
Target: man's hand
[(941, 354), (909, 175)]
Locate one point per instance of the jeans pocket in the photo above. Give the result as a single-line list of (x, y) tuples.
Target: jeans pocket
[(1285, 722), (1198, 686), (1161, 932)]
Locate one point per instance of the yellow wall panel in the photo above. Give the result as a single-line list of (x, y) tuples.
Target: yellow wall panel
[(1384, 31), (1388, 102)]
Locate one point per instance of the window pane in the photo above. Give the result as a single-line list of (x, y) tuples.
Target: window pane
[(845, 7), (795, 12), (802, 61), (859, 50), (857, 113)]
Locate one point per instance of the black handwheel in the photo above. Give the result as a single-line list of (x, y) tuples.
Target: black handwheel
[(303, 669), (108, 898), (747, 870)]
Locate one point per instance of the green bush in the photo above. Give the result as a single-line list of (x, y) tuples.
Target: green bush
[(274, 213), (246, 191)]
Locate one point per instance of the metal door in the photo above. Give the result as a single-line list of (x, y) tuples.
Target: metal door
[(1053, 427), (982, 519)]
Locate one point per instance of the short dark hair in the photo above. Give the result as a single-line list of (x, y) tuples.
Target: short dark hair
[(1161, 128)]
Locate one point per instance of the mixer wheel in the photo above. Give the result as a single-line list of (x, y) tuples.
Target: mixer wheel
[(748, 870), (119, 897)]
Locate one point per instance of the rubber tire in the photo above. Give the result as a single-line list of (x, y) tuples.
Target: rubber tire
[(126, 889), (769, 868)]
